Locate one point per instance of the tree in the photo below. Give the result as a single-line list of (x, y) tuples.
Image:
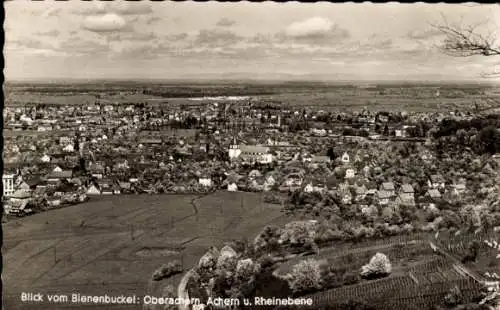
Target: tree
[(466, 41), (379, 266), (331, 154), (454, 297), (167, 270), (305, 276)]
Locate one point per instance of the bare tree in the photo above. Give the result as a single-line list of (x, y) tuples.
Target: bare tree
[(467, 41)]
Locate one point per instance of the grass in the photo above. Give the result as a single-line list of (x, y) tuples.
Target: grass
[(92, 247)]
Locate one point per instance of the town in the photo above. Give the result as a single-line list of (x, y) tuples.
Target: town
[(57, 155)]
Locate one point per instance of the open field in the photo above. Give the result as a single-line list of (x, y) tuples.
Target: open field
[(113, 244), (330, 97)]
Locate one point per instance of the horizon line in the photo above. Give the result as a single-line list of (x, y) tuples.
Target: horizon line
[(63, 80)]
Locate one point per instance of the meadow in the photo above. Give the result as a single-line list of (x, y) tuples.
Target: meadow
[(113, 244), (410, 97)]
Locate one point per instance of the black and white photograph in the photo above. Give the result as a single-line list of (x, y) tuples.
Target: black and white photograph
[(243, 155)]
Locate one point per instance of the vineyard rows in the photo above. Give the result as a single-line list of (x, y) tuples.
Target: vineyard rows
[(398, 291), (368, 291)]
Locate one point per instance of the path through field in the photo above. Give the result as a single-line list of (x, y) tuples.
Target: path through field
[(99, 247)]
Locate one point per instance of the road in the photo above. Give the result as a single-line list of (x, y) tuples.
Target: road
[(182, 292)]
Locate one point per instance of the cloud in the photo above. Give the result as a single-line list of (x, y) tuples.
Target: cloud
[(216, 37), (83, 46), (315, 27), (225, 22), (130, 8), (152, 20), (422, 34), (26, 43), (116, 7), (315, 30), (109, 22), (96, 8), (52, 33), (131, 36), (51, 12)]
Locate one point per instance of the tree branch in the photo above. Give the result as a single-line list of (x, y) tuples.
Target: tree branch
[(465, 41)]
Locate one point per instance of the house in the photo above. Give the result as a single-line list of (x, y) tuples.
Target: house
[(459, 188), (496, 157), (315, 186), (293, 179), (232, 187), (317, 160), (345, 158), (125, 187), (45, 159), (407, 192), (23, 186), (360, 192), (254, 153), (97, 171), (269, 183), (383, 197), (8, 184), (254, 174), (436, 181), (65, 140), (93, 190), (388, 187), (350, 173), (107, 191), (433, 194), (407, 195), (427, 157), (69, 148), (346, 197), (57, 169), (18, 207), (20, 195), (56, 176), (54, 201), (205, 181), (366, 171)]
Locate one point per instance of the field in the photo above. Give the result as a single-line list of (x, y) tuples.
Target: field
[(298, 95), (113, 244)]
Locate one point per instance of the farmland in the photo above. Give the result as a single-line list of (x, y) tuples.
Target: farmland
[(420, 283), (113, 244), (420, 277), (326, 96)]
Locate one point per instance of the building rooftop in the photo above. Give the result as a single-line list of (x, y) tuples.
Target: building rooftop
[(388, 186), (407, 188)]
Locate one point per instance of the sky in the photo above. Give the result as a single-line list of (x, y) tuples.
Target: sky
[(189, 40)]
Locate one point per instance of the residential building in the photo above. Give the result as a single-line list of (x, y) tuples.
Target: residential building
[(350, 173), (433, 194), (205, 181), (436, 181), (232, 187), (8, 184), (251, 153), (345, 158), (389, 188), (93, 190), (407, 194)]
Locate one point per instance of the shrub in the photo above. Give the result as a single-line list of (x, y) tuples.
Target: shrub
[(167, 270)]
